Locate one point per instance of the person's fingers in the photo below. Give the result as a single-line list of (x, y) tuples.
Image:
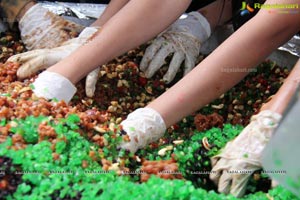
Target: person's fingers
[(174, 66), (91, 81), (23, 57), (159, 60), (239, 183), (189, 64), (31, 67), (150, 52), (217, 170), (225, 182)]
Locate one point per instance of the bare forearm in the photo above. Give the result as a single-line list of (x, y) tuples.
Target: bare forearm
[(217, 13), (134, 24), (242, 51), (112, 8)]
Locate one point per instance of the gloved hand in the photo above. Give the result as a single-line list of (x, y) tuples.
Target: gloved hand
[(143, 126), (52, 32), (35, 60), (183, 38), (52, 85), (41, 29), (233, 167)]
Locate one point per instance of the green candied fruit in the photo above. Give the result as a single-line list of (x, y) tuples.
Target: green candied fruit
[(245, 155), (32, 86), (5, 94), (77, 184), (3, 122), (28, 128), (60, 146)]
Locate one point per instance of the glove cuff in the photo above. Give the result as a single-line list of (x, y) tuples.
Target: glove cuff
[(144, 125), (52, 85), (88, 33), (204, 24)]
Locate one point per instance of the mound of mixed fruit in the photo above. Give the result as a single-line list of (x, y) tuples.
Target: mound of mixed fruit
[(54, 150)]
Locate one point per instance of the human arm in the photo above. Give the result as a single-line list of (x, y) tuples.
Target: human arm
[(245, 151), (108, 42), (112, 8), (221, 70), (183, 40), (42, 29), (247, 47), (137, 23)]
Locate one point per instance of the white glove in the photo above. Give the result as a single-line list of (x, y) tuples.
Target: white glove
[(35, 60), (233, 167), (184, 39), (143, 126), (41, 29), (91, 81), (52, 85)]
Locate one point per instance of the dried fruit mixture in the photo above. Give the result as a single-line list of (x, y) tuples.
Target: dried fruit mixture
[(54, 150)]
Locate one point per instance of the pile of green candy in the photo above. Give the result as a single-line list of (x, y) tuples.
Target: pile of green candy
[(66, 178)]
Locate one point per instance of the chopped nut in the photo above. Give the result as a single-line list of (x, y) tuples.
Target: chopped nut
[(241, 107), (218, 106), (163, 151), (24, 89), (119, 120), (238, 114), (112, 126), (13, 124), (99, 129), (114, 103), (149, 90), (119, 68), (105, 142), (258, 101), (114, 167), (138, 159), (230, 116), (112, 75), (119, 84), (205, 143), (178, 142), (125, 83), (102, 73), (235, 101), (112, 109), (141, 105), (96, 137)]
